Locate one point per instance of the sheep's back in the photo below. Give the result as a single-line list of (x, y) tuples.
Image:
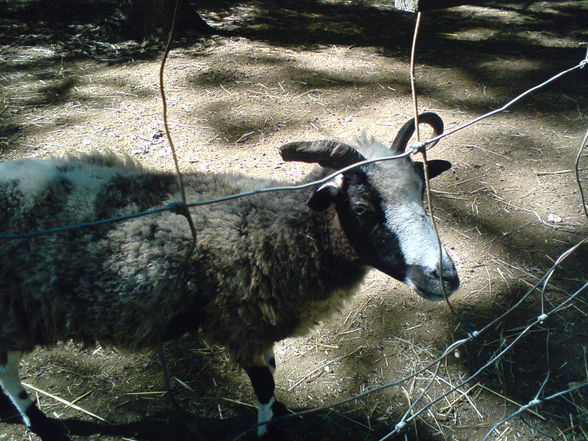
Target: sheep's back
[(260, 265), (87, 283)]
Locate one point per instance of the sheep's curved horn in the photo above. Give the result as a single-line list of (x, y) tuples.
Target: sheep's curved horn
[(404, 134), (331, 154)]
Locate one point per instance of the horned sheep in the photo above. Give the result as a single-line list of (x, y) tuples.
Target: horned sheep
[(264, 267)]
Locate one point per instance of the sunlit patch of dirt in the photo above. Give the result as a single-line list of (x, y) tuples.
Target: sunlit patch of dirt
[(282, 72)]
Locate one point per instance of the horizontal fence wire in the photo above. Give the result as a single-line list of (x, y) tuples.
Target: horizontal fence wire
[(450, 349), (413, 410), (177, 207)]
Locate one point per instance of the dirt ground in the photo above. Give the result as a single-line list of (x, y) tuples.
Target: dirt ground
[(280, 71)]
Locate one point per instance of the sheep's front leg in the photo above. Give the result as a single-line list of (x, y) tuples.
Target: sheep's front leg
[(30, 413), (262, 380)]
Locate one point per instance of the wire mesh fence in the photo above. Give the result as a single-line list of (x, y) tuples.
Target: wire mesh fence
[(427, 399)]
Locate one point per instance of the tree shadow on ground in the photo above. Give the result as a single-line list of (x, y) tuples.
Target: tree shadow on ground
[(545, 358), (167, 425), (310, 24), (481, 48), (159, 421), (486, 46)]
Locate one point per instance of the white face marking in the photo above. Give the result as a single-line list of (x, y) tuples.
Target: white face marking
[(415, 233), (400, 187), (405, 214), (264, 414)]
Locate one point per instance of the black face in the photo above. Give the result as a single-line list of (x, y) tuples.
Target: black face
[(364, 223), (393, 235)]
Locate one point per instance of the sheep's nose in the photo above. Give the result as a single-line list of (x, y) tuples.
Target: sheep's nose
[(448, 274)]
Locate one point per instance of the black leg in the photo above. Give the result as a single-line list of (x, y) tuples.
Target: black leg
[(47, 429), (8, 412), (31, 415), (262, 380)]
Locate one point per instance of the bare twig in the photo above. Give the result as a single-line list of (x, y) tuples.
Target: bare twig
[(577, 170), (63, 401), (425, 162), (185, 211)]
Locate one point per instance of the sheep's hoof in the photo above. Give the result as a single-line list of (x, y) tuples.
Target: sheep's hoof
[(271, 432), (53, 431), (279, 409), (47, 429)]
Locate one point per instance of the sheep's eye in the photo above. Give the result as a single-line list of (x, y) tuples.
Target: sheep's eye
[(360, 209)]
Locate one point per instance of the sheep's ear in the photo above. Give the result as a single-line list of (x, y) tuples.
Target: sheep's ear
[(322, 197), (436, 167)]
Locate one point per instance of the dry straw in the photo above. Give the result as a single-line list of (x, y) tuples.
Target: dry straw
[(413, 411)]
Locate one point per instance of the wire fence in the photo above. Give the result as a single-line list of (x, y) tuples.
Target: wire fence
[(179, 206), (414, 411), (424, 402)]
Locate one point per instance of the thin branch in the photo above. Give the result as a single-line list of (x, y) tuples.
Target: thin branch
[(577, 170), (62, 401)]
